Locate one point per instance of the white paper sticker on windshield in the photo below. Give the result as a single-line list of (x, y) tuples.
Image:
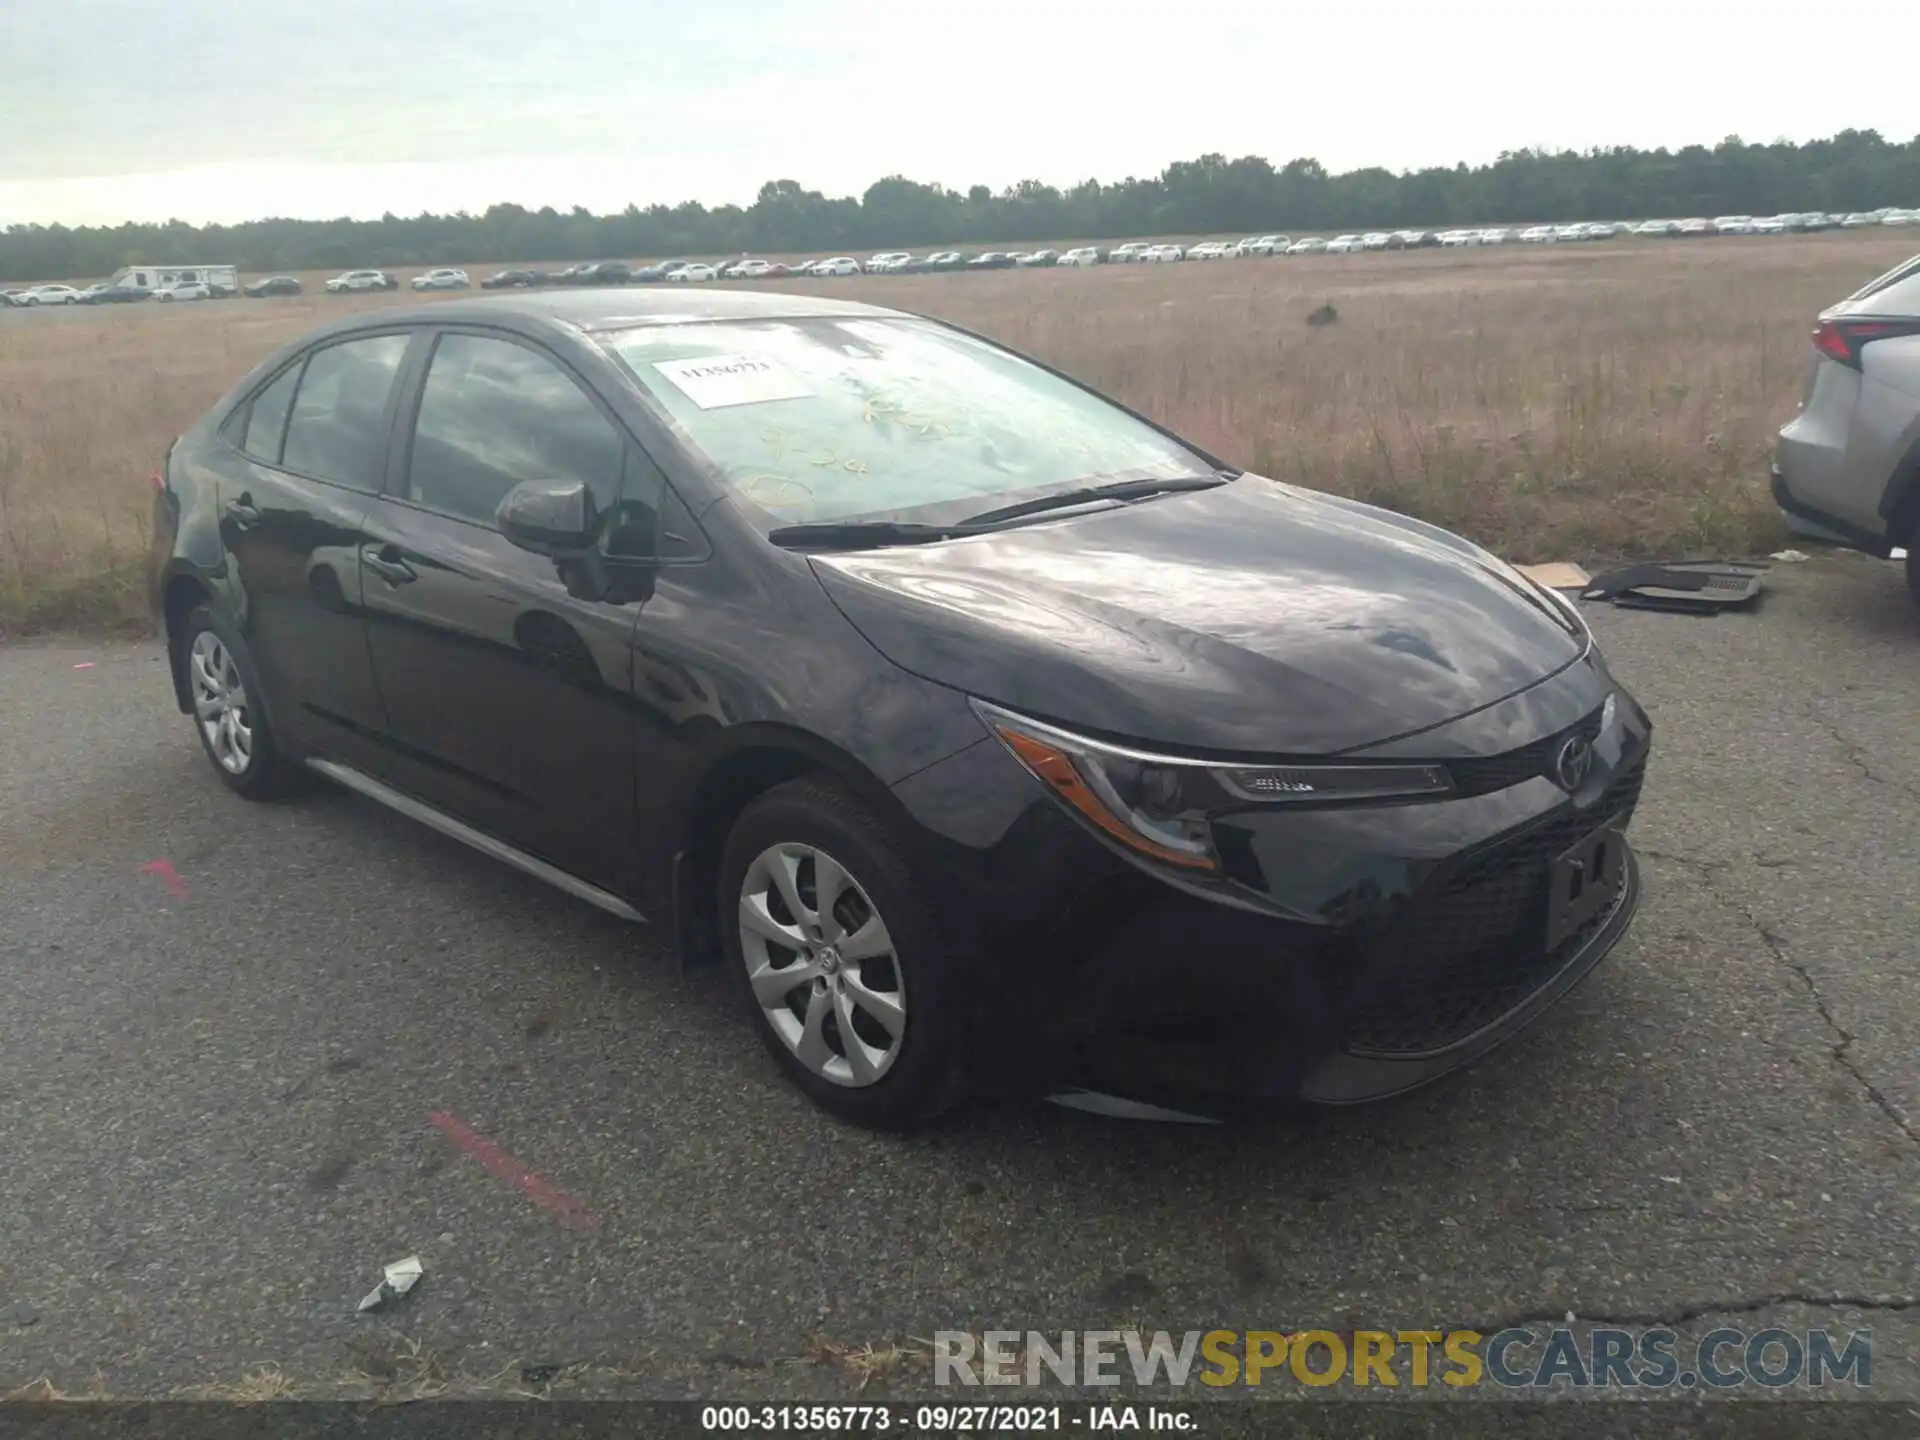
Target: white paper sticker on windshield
[(715, 381)]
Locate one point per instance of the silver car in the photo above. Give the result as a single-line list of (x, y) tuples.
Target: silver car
[(1847, 467)]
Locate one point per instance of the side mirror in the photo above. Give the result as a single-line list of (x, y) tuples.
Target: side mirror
[(556, 518)]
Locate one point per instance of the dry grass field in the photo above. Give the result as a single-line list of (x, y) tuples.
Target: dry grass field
[(1580, 401)]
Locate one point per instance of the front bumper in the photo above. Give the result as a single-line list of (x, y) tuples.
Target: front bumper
[(1245, 1015), (1355, 954)]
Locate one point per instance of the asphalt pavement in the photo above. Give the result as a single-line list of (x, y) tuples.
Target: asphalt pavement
[(249, 1054)]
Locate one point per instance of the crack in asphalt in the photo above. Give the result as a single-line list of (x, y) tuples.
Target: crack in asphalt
[(1740, 1305), (1708, 871), (1858, 758)]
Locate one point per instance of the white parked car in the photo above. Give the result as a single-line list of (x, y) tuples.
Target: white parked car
[(48, 295), (354, 280), (1311, 245), (1081, 255), (1264, 245), (1816, 220), (1162, 255), (747, 269), (698, 273), (836, 265), (184, 290), (1344, 244), (1454, 239), (442, 279), (1209, 250), (1126, 253), (1602, 230), (1494, 235), (1770, 225), (1900, 217), (1375, 240), (1693, 226), (1658, 229), (1733, 225), (1538, 235), (888, 260)]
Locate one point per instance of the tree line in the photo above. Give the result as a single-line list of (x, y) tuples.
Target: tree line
[(1853, 170)]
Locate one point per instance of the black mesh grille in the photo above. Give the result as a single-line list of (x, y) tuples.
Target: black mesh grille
[(1497, 772), (1465, 956)]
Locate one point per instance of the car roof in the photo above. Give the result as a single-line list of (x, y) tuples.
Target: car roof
[(622, 309)]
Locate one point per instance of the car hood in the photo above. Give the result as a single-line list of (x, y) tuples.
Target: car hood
[(1252, 618)]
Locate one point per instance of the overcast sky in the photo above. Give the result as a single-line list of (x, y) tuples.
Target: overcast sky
[(222, 110)]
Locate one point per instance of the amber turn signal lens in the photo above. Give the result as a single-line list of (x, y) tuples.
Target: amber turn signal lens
[(1056, 770)]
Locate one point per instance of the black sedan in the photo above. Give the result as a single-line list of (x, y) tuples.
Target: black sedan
[(596, 272), (515, 280), (992, 737), (270, 286), (104, 294)]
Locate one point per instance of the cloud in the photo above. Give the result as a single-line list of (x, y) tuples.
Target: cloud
[(214, 109)]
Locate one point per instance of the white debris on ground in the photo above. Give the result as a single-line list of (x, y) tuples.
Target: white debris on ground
[(398, 1278)]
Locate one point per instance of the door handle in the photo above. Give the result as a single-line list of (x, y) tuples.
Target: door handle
[(385, 561), (242, 512)]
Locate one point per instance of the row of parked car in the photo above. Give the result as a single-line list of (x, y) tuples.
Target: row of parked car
[(30, 296), (901, 262)]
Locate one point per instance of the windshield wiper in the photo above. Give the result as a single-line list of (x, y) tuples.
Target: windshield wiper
[(865, 534), (1115, 490)]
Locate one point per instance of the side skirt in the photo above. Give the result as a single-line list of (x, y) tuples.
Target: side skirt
[(486, 844)]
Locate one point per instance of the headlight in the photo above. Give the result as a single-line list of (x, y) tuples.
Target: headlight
[(1161, 806)]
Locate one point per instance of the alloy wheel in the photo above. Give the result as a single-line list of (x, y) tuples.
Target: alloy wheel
[(821, 964), (220, 703)]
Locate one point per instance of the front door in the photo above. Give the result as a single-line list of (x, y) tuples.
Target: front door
[(509, 699), (309, 452)]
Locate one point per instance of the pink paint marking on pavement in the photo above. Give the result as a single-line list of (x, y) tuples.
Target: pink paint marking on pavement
[(169, 877), (555, 1201), (84, 665)]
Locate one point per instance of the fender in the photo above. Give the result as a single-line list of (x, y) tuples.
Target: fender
[(1900, 504)]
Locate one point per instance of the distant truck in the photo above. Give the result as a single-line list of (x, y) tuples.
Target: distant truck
[(222, 281)]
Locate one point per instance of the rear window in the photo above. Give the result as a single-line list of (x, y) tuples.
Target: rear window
[(833, 419), (1896, 292)]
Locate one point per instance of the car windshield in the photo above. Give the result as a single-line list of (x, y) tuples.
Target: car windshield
[(857, 417)]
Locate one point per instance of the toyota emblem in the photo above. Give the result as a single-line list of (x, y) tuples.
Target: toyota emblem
[(1571, 764)]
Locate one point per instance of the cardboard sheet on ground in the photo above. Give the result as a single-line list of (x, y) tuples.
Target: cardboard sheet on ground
[(1556, 575)]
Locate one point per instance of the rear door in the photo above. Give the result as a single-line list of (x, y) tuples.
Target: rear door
[(508, 697), (307, 454)]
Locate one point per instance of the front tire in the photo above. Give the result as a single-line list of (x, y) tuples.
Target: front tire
[(223, 689), (835, 951)]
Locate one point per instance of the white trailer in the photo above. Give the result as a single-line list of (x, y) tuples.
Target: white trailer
[(220, 279)]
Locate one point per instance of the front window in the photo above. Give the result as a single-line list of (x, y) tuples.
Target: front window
[(868, 418)]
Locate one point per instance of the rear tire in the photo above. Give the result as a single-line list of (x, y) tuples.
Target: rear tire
[(872, 961), (223, 690)]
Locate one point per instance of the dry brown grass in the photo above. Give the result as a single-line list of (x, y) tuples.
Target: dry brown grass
[(1580, 401)]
